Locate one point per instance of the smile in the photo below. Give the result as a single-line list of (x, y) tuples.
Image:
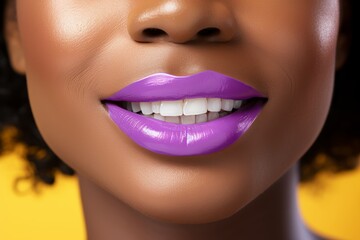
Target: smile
[(185, 115)]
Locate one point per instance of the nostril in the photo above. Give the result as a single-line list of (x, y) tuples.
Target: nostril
[(208, 32), (154, 32)]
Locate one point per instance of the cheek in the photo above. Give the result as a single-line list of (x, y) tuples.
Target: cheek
[(299, 100), (65, 35), (61, 40)]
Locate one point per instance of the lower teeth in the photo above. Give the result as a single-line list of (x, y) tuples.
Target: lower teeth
[(207, 117)]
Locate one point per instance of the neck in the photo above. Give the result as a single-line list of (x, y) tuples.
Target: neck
[(272, 215)]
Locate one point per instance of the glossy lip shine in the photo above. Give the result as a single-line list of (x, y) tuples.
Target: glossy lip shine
[(184, 139)]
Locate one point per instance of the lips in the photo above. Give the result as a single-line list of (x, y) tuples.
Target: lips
[(176, 139)]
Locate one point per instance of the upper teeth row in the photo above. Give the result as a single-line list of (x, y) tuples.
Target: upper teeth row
[(187, 107)]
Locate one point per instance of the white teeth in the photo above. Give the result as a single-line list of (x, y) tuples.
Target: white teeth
[(201, 118), (172, 119), (214, 104), (237, 104), (156, 107), (213, 116), (227, 104), (171, 108), (135, 106), (146, 108), (195, 106), (188, 111), (187, 119), (159, 117)]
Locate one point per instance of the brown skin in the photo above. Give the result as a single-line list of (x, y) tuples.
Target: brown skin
[(75, 53)]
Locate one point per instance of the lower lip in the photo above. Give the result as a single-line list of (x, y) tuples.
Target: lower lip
[(181, 139)]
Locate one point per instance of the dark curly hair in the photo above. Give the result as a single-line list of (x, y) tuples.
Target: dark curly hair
[(337, 147)]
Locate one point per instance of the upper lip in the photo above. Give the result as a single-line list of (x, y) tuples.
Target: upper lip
[(162, 86)]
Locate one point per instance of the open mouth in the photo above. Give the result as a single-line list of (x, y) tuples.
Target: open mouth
[(185, 115), (187, 111)]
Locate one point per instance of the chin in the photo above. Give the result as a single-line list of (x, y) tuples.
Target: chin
[(190, 203), (202, 211)]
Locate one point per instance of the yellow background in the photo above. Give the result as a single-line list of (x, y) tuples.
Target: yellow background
[(330, 206)]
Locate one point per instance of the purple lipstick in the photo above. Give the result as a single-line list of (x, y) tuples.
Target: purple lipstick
[(177, 139)]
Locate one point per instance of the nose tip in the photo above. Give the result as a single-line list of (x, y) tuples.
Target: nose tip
[(182, 22)]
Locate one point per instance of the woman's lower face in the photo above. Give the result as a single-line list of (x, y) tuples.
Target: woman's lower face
[(79, 54)]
